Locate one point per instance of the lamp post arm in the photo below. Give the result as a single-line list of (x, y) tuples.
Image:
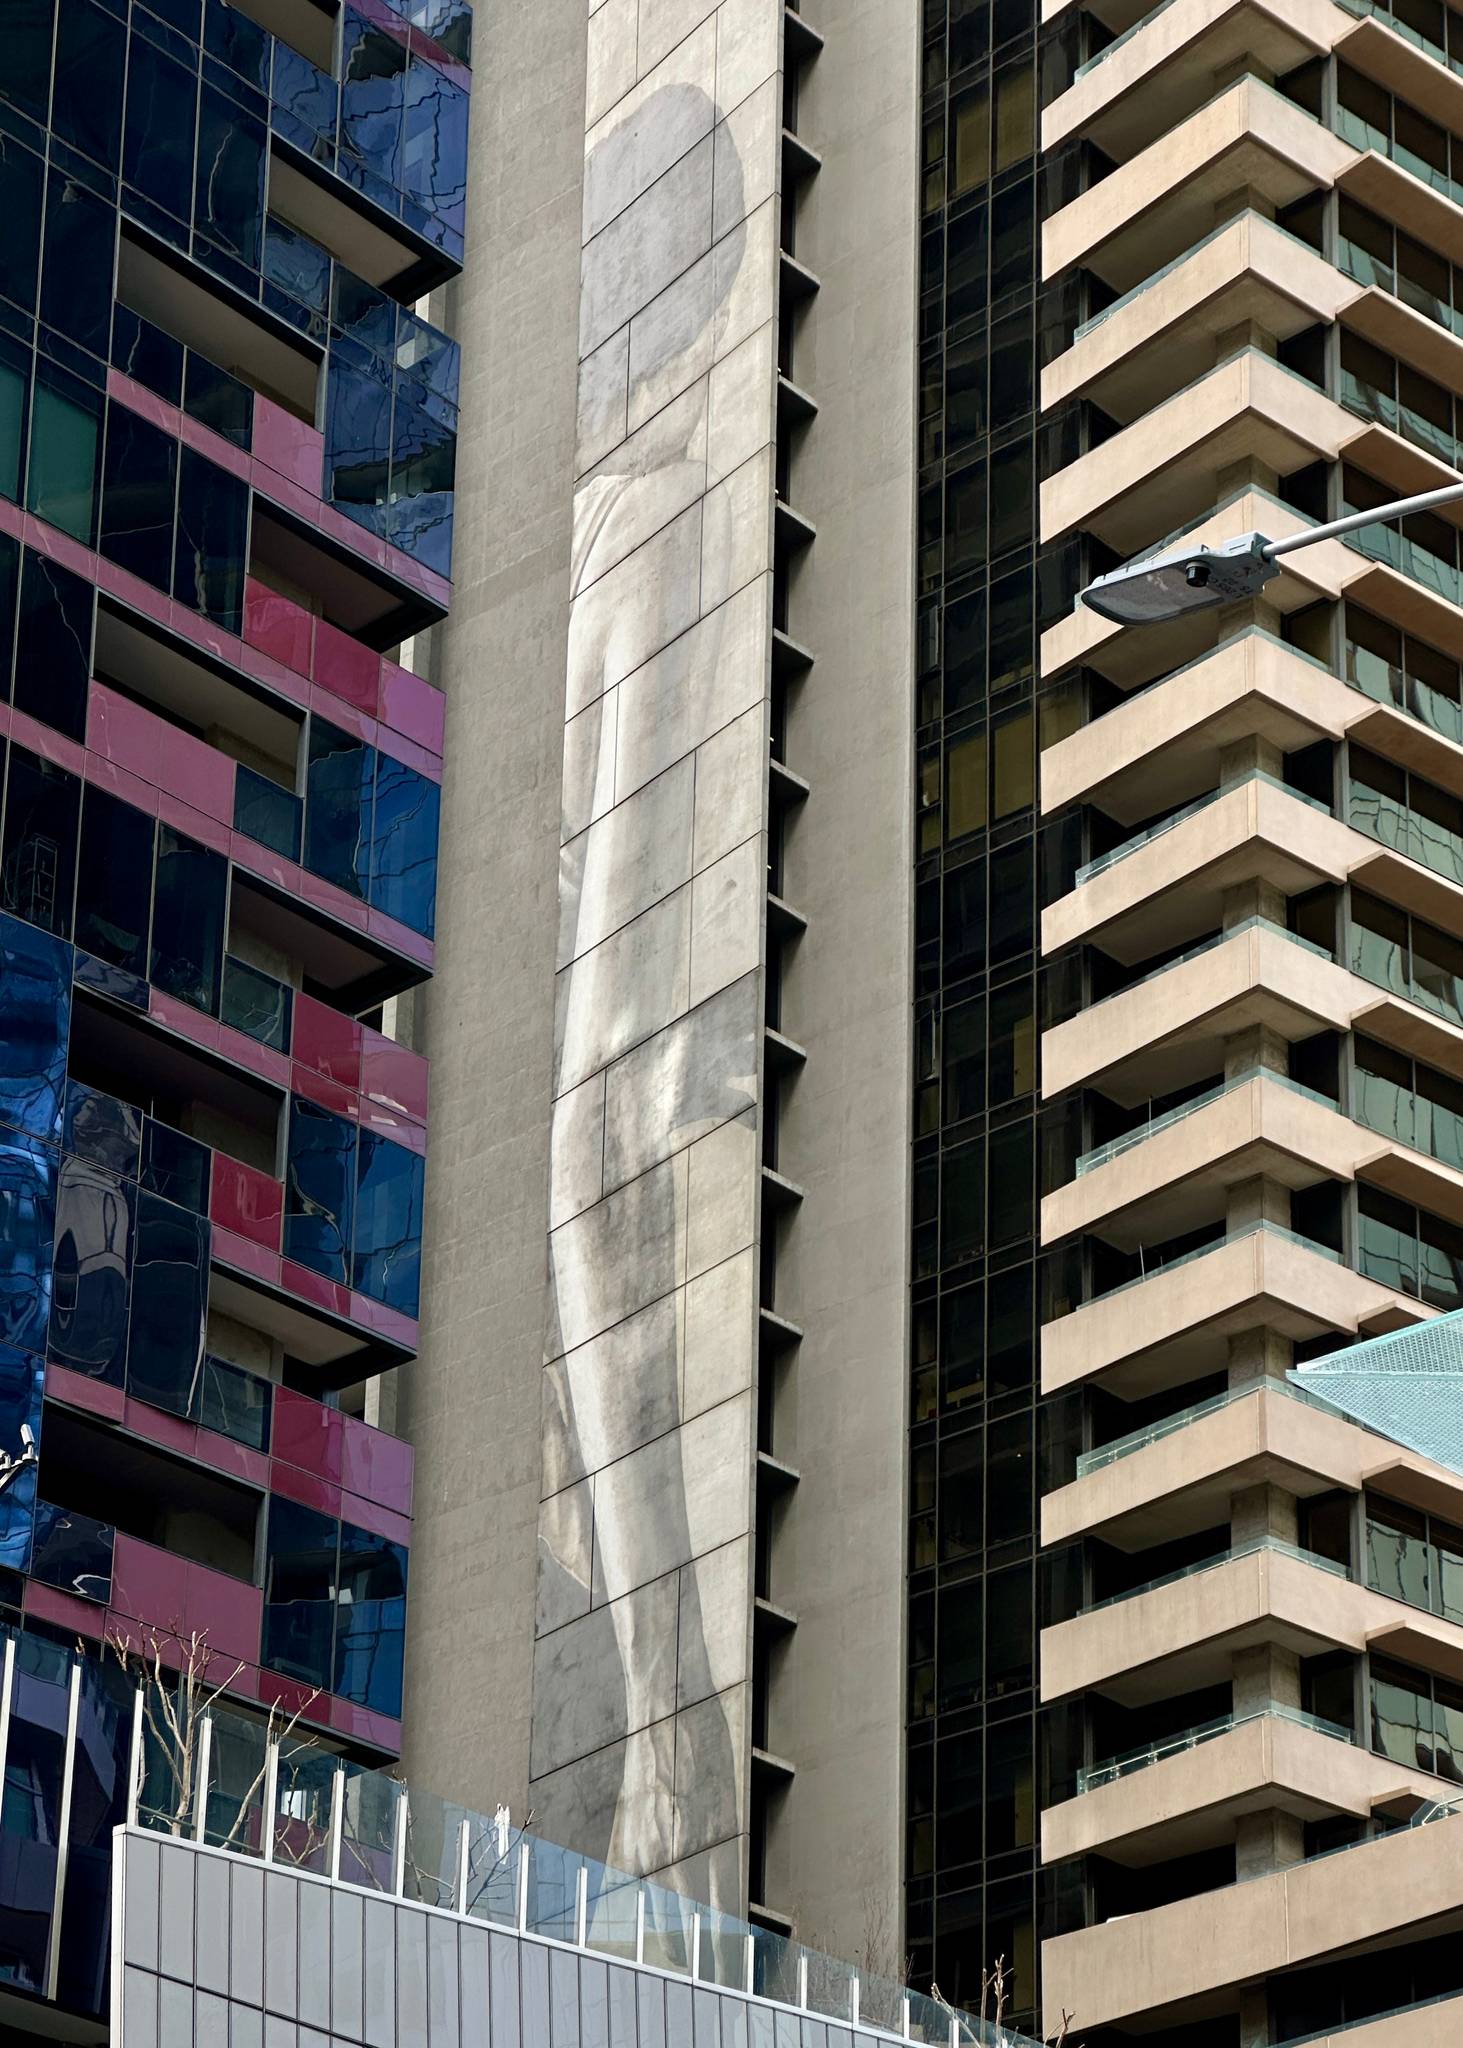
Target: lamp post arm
[(1450, 494)]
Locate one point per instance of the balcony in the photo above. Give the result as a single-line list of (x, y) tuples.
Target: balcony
[(1163, 68), (1177, 1476), (1162, 335), (1162, 201), (1192, 1957), (1173, 1325), (1177, 1798), (1181, 1632)]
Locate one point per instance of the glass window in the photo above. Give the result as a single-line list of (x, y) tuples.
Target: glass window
[(91, 58), (434, 150), (358, 438), (92, 1271), (139, 493), (30, 1817), (423, 465), (22, 1380), (228, 197), (114, 890), (320, 1190), (1386, 1240), (27, 1229), (1008, 1631), (35, 1028), (157, 143), (213, 519), (257, 1004), (188, 920), (965, 784), (267, 812), (53, 674), (22, 183), (169, 1304), (65, 441), (404, 845), (370, 1628), (100, 1128), (38, 856), (386, 1263), (25, 76), (961, 1495), (372, 97), (76, 276), (15, 367), (299, 1592), (175, 1166), (338, 806), (960, 1611), (1401, 1715), (1397, 1551), (144, 352)]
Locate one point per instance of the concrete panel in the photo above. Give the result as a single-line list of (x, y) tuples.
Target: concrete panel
[(613, 1394), (602, 1677), (676, 1499)]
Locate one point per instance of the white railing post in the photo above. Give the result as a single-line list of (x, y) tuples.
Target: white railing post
[(803, 1982), (337, 1822), (695, 1948), (459, 1889), (134, 1754), (751, 1965), (200, 1787), (398, 1846), (904, 2017), (640, 1924), (581, 1906), (853, 2000), (271, 1799), (523, 1884)]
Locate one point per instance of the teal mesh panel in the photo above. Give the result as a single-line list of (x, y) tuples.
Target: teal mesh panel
[(1407, 1386)]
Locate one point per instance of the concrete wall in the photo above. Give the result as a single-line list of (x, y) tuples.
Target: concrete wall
[(641, 1738), (837, 1705), (471, 1401)]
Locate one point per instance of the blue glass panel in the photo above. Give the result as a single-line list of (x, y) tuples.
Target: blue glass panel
[(370, 1627), (114, 881), (98, 1805), (257, 1004), (157, 139), (73, 1552), (434, 167), (38, 850), (139, 497), (35, 1027), (388, 1240), (92, 1271), (234, 1403), (423, 465), (267, 812), (22, 1391), (297, 275), (100, 1128), (236, 41), (320, 1190), (299, 1592), (188, 920), (306, 102), (338, 782), (30, 1814), (229, 192), (358, 439), (218, 401), (404, 845), (169, 1304), (372, 94), (365, 315)]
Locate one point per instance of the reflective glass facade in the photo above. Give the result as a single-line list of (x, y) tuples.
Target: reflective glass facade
[(983, 1758), (226, 472)]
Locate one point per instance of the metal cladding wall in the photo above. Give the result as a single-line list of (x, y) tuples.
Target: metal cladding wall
[(641, 1735), (213, 1949)]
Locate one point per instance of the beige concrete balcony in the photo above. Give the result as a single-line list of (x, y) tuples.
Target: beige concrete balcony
[(1168, 890), (1194, 1955), (1175, 1325), (1247, 140), (1191, 1799), (1178, 1477), (1164, 469), (1167, 66), (1175, 1637), (1177, 1180), (1163, 336)]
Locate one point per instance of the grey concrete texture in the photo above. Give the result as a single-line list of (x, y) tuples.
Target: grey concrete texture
[(836, 1702), (471, 1401), (644, 1610)]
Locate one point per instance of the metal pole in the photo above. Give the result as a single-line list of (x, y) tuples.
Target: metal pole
[(337, 1823), (459, 1890), (523, 1884), (581, 1906), (200, 1790), (1424, 501), (751, 1984), (803, 1981), (398, 1846), (134, 1754), (695, 1948), (640, 1925), (853, 1999), (271, 1799)]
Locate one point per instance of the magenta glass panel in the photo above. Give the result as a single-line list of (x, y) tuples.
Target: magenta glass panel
[(78, 1390), (230, 1249), (412, 707), (174, 1432), (308, 1435), (197, 773), (227, 1608), (288, 445), (244, 1200), (124, 732), (196, 824), (150, 1584), (394, 1075), (123, 783), (279, 628), (146, 404), (369, 1514), (377, 1466), (327, 1042), (310, 1492), (329, 1094), (64, 1610), (346, 668)]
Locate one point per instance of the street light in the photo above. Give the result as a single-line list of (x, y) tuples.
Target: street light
[(1190, 579)]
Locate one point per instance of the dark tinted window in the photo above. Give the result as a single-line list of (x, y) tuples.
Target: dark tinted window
[(371, 1621), (175, 1166), (169, 1303), (320, 1190), (91, 55), (76, 282), (404, 845), (299, 1592), (92, 1271), (114, 890), (35, 1028), (388, 1232), (337, 806), (38, 858), (53, 666), (188, 920), (139, 489), (157, 147), (208, 563)]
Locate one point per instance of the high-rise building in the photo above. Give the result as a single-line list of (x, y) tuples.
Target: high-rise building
[(226, 488)]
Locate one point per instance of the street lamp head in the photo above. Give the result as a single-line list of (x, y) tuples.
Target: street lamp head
[(1187, 579)]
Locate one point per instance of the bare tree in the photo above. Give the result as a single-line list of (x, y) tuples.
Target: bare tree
[(175, 1674)]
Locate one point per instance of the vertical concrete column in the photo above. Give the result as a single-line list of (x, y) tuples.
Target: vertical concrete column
[(640, 1734)]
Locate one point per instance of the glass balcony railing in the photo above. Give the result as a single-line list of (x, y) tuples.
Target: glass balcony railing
[(1246, 924), (1101, 1154), (1392, 1111), (282, 1799), (1128, 1761), (1406, 29), (1274, 1546), (267, 812), (72, 1552), (1126, 37), (256, 1004), (1363, 134), (1139, 1439), (1155, 277), (1406, 831), (1151, 832)]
